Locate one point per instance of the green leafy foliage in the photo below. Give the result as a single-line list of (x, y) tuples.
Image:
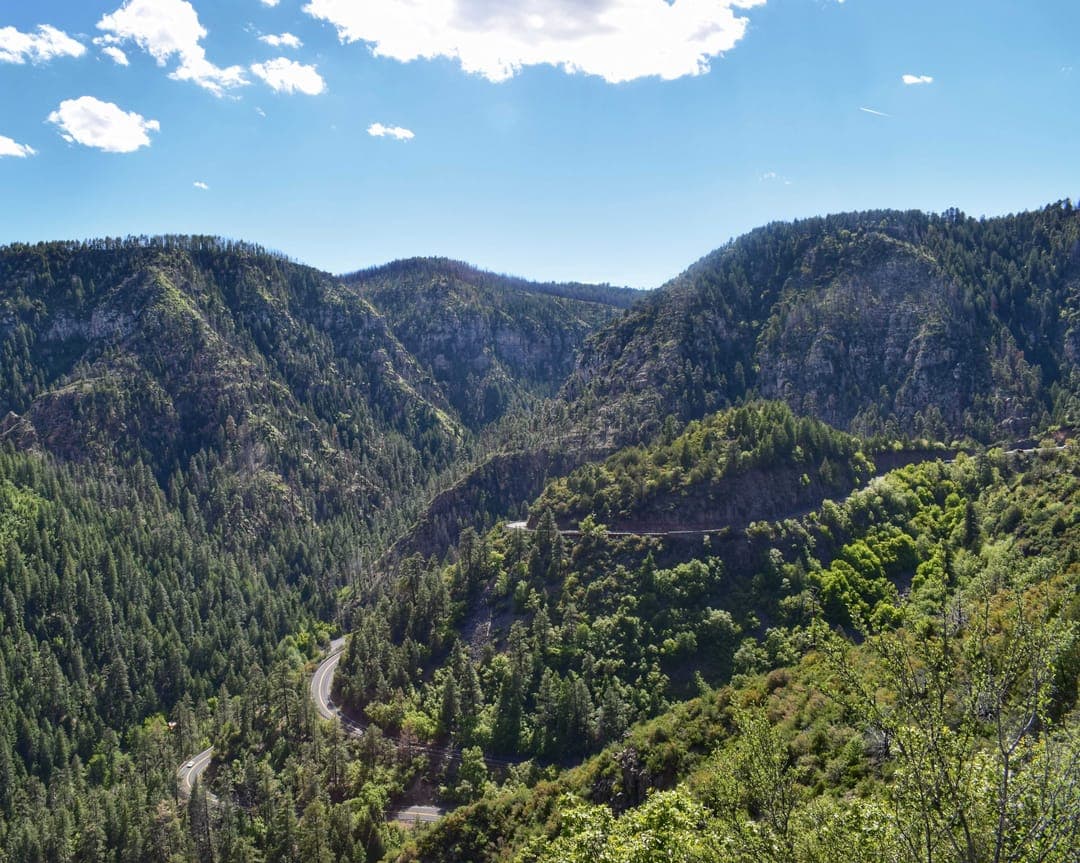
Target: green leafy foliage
[(943, 729)]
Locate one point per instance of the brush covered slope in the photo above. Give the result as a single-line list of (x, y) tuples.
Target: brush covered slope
[(909, 693)]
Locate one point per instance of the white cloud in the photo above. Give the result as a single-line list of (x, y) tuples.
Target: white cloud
[(618, 40), (378, 130), (875, 113), (40, 47), (270, 3), (284, 40), (199, 184), (165, 28), (93, 123), (115, 54), (9, 147), (287, 76), (917, 79)]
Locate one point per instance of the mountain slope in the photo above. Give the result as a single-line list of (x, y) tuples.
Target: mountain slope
[(875, 322), (492, 342), (956, 591), (160, 350), (898, 324)]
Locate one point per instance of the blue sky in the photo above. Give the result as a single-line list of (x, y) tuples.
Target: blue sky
[(599, 140)]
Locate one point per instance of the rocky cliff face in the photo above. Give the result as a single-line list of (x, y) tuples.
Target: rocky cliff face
[(891, 338)]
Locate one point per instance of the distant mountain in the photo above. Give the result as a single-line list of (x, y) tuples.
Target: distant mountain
[(419, 268), (883, 323), (876, 322), (173, 349), (492, 342)]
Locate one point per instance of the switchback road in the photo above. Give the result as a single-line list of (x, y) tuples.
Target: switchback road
[(945, 456), (320, 688)]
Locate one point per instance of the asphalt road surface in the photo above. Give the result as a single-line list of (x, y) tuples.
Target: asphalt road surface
[(188, 774), (322, 681), (417, 815)]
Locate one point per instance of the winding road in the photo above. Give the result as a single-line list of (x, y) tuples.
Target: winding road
[(322, 681), (947, 456), (320, 688), (192, 769)]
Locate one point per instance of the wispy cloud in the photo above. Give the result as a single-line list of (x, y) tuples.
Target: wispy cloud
[(199, 184), (773, 177), (102, 125), (917, 79), (8, 147), (287, 76), (874, 112), (378, 130), (40, 47), (282, 40)]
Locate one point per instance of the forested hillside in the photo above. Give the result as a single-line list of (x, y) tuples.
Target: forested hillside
[(875, 322), (726, 470), (779, 596), (899, 324), (530, 638), (165, 350), (897, 680)]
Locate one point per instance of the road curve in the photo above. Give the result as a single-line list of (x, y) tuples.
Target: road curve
[(192, 770), (322, 682), (194, 767)]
